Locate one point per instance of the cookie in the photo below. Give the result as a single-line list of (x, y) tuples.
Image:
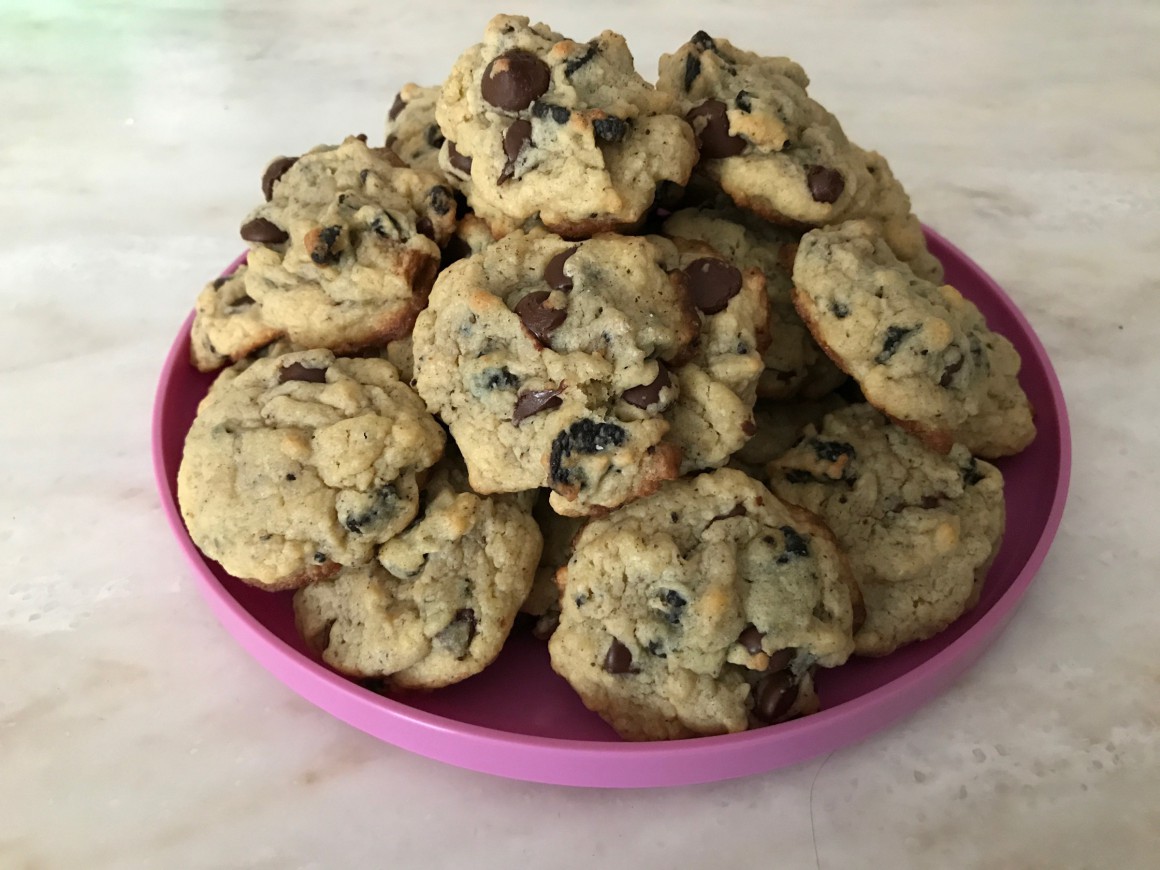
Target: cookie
[(702, 609), (540, 126), (345, 250), (762, 138), (543, 601), (794, 364), (298, 464), (712, 414), (920, 528), (921, 353), (779, 425), (439, 603), (412, 132), (547, 361), (227, 324)]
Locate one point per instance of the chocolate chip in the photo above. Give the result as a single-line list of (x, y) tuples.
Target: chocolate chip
[(826, 184), (971, 473), (515, 78), (950, 371), (840, 310), (649, 394), (750, 638), (578, 62), (692, 70), (749, 427), (457, 635), (703, 41), (546, 626), (425, 228), (539, 319), (618, 660), (320, 242), (738, 510), (930, 502), (380, 229), (434, 136), (779, 660), (499, 379), (774, 695), (895, 335), (296, 371), (457, 160), (712, 283), (832, 451), (319, 558), (532, 402), (218, 282), (264, 232), (442, 200), (610, 129), (379, 506), (275, 171), (585, 436), (390, 143), (515, 140), (554, 271), (654, 647), (743, 101), (795, 545), (543, 110), (396, 107), (674, 605), (713, 135), (362, 137)]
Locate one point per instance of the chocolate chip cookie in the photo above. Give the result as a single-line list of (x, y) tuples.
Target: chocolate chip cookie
[(344, 251), (539, 125), (921, 353), (412, 132), (794, 364), (702, 609), (298, 464), (438, 605), (711, 415), (920, 528), (547, 360), (770, 146), (779, 425), (227, 324)]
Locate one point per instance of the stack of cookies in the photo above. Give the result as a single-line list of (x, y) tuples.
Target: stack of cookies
[(669, 368)]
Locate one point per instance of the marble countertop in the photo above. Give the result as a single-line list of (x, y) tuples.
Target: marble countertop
[(135, 733)]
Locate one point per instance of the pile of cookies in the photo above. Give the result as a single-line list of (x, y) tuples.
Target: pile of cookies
[(669, 368)]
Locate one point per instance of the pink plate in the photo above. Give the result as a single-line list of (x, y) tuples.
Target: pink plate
[(518, 719)]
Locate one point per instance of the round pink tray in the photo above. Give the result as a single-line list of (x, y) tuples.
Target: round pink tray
[(518, 719)]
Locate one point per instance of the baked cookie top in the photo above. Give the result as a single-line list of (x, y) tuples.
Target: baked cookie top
[(920, 528), (547, 361), (770, 146), (539, 125), (344, 251), (440, 602), (227, 324), (921, 353), (412, 132), (794, 364), (303, 462), (702, 609), (711, 416)]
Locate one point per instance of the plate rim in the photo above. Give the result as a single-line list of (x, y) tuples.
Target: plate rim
[(567, 761)]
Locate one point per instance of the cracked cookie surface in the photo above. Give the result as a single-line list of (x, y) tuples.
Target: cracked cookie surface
[(300, 463), (921, 353), (539, 125), (920, 528), (541, 354), (345, 250), (702, 609), (440, 601)]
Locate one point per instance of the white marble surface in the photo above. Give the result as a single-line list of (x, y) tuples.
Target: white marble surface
[(135, 733)]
